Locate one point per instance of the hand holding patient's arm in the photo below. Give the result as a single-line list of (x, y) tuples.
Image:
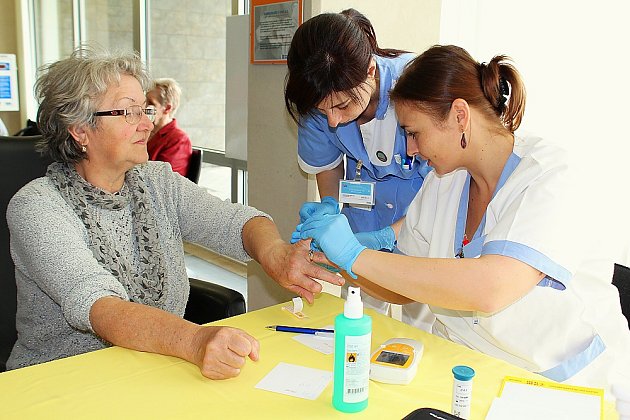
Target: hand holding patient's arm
[(333, 235)]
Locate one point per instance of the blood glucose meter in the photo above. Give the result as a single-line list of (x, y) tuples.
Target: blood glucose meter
[(396, 361)]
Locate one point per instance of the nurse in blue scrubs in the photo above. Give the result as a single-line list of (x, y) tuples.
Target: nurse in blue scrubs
[(337, 90)]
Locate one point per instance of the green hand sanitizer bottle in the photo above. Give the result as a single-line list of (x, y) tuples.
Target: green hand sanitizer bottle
[(351, 372)]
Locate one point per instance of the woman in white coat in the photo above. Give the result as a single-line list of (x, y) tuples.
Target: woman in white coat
[(488, 241)]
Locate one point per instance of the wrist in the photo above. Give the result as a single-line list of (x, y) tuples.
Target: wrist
[(266, 255), (191, 344), (358, 263), (388, 238), (261, 239), (358, 249)]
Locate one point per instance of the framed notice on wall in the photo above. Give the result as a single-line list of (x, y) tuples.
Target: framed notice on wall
[(272, 25)]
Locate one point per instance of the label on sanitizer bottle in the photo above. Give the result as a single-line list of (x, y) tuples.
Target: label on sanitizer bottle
[(356, 368)]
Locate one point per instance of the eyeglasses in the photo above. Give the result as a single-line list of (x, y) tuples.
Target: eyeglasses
[(133, 114)]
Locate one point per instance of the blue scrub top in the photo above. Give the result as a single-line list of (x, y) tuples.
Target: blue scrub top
[(322, 148)]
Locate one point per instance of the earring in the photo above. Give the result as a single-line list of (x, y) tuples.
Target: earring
[(83, 148), (463, 141)]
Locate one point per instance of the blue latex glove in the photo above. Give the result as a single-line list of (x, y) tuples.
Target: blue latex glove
[(332, 233), (313, 209), (378, 239), (297, 235)]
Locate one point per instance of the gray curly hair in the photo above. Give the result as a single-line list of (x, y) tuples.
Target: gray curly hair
[(69, 92)]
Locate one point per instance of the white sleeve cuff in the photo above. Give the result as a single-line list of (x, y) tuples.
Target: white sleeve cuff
[(317, 169)]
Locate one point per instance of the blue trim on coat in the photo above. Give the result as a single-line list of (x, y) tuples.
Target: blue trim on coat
[(557, 275), (573, 365)]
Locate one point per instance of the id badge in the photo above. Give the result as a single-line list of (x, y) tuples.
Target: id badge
[(356, 193)]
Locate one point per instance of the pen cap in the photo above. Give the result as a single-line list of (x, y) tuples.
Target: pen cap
[(353, 308)]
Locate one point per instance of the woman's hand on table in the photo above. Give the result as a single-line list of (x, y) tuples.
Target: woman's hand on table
[(221, 352)]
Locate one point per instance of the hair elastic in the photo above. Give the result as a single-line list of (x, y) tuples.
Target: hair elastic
[(504, 91), (504, 86)]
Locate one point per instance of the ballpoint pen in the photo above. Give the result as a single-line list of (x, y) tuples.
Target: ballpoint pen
[(301, 330)]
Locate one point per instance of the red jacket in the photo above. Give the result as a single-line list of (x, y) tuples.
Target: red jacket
[(172, 145)]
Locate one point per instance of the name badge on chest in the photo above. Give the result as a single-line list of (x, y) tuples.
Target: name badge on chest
[(357, 193)]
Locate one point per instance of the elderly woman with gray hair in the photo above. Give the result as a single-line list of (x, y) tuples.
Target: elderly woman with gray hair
[(97, 242)]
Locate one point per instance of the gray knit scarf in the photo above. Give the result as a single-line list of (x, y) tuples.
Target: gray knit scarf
[(145, 286)]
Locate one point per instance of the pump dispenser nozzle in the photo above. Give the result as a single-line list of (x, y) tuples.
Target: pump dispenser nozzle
[(353, 308)]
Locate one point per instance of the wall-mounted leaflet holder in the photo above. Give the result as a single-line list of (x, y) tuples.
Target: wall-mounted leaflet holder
[(9, 100)]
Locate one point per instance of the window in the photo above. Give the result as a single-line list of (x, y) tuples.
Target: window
[(53, 30), (109, 24), (182, 40)]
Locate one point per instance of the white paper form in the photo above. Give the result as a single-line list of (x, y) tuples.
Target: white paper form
[(525, 401), (507, 408), (296, 381)]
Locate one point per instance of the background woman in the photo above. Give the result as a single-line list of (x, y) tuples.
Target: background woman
[(488, 243), (168, 142), (97, 242)]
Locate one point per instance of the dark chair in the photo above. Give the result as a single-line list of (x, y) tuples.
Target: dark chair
[(194, 165), (621, 279), (210, 302), (31, 129), (19, 164)]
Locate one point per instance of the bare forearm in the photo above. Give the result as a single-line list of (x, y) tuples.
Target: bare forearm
[(143, 328), (260, 236), (485, 284), (328, 182), (376, 291)]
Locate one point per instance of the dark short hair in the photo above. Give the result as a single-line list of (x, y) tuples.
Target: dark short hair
[(329, 53)]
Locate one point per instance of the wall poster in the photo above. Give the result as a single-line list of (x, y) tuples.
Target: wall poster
[(272, 25)]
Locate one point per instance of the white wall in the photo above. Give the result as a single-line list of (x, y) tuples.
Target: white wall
[(574, 59), (412, 25)]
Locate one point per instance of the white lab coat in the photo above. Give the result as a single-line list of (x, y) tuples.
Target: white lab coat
[(569, 327)]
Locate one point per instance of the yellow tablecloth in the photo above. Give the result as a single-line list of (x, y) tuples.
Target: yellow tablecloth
[(120, 383)]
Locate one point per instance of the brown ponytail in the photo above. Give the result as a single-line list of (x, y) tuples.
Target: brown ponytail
[(444, 73), (494, 76)]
